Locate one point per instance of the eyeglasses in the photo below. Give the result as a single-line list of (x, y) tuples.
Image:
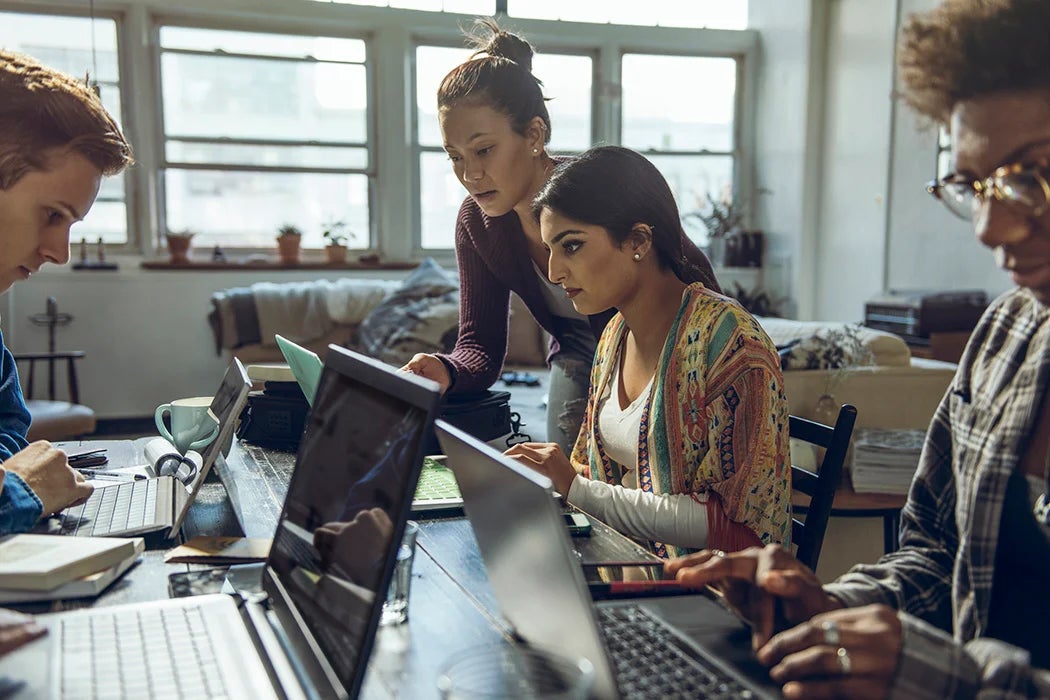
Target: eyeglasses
[(1023, 187)]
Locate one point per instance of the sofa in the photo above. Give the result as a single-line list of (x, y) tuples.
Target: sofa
[(419, 314)]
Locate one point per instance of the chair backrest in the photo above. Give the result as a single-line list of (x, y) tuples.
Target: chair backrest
[(808, 535)]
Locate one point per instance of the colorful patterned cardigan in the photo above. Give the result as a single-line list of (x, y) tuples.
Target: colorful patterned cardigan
[(716, 421)]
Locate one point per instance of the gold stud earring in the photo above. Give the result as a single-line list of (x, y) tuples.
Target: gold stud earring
[(535, 151), (637, 257)]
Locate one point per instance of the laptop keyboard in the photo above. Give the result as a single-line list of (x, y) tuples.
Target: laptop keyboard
[(138, 653), (649, 664), (436, 482), (113, 509)]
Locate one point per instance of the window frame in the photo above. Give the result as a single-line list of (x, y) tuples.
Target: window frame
[(391, 37)]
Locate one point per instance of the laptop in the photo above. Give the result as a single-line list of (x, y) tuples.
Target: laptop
[(540, 588), (305, 365), (160, 503), (311, 635), (437, 490)]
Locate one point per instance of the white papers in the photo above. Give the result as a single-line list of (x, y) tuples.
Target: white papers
[(884, 461)]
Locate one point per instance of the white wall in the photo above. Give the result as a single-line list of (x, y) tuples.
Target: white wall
[(144, 331)]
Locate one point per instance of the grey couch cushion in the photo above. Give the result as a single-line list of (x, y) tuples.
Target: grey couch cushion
[(422, 315)]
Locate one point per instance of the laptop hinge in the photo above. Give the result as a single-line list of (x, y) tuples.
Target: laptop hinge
[(280, 667)]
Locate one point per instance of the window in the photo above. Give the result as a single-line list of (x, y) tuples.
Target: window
[(262, 130), (713, 14), (944, 153), (469, 7), (65, 43), (692, 137), (567, 81)]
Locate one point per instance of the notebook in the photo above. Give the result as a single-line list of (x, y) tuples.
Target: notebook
[(540, 588), (305, 365), (312, 633), (161, 503)]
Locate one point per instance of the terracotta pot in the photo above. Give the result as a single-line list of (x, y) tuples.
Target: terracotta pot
[(288, 248), (179, 248), (335, 253)]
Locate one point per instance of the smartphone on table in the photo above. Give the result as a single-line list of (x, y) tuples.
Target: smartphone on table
[(578, 524)]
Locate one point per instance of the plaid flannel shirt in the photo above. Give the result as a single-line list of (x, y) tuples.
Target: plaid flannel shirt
[(941, 578)]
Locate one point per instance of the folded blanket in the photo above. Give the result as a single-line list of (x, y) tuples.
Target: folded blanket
[(296, 310), (350, 300)]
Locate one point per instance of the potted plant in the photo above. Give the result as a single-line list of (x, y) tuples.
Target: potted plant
[(337, 234), (289, 239), (179, 245), (721, 217)]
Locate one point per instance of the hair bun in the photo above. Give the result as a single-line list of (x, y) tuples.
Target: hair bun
[(489, 38)]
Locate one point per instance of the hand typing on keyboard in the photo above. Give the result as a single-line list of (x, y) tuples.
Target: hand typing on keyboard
[(17, 629), (45, 470)]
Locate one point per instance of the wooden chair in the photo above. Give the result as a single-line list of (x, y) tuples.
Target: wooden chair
[(808, 534), (54, 419)]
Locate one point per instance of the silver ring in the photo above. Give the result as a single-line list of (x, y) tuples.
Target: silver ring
[(718, 553), (845, 665), (831, 633)]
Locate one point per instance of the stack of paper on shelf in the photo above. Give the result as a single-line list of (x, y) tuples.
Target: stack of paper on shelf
[(884, 461), (51, 567)]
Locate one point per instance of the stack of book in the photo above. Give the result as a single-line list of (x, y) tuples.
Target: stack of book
[(52, 567), (884, 461)]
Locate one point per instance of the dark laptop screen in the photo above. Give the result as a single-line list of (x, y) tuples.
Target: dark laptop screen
[(344, 502)]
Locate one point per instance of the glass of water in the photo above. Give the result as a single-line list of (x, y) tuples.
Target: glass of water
[(395, 609)]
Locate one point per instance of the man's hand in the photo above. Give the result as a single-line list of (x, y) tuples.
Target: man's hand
[(355, 548), (851, 653), (45, 470), (17, 629), (430, 367), (756, 582), (548, 459)]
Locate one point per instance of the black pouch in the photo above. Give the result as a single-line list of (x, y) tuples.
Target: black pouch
[(485, 415), (274, 419)]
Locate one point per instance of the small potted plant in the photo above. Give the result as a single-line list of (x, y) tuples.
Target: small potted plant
[(289, 239), (337, 234), (721, 217), (179, 245)]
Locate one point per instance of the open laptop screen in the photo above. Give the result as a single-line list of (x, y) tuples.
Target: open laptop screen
[(228, 400), (334, 542)]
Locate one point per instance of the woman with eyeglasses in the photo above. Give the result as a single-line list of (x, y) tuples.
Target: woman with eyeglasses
[(496, 129), (685, 438), (961, 610)]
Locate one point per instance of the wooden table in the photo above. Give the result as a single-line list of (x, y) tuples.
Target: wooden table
[(850, 504), (451, 605)]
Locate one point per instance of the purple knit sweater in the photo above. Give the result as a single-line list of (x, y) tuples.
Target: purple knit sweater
[(493, 259)]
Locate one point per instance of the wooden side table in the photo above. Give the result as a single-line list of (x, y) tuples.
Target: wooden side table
[(850, 504)]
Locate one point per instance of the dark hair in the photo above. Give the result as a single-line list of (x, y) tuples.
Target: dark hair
[(617, 188), (41, 110), (499, 75), (966, 48)]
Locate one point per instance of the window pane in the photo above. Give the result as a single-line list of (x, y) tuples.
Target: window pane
[(692, 180), (470, 7), (696, 119), (440, 199), (714, 14), (567, 79), (267, 155), (259, 44), (245, 209), (221, 96), (65, 43)]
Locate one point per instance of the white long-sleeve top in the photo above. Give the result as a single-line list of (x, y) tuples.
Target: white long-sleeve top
[(677, 519)]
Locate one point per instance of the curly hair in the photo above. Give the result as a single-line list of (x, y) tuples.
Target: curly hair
[(42, 111), (966, 48)]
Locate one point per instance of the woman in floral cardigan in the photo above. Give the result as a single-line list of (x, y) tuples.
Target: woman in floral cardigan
[(685, 437)]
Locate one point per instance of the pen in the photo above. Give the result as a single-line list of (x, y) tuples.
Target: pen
[(96, 474)]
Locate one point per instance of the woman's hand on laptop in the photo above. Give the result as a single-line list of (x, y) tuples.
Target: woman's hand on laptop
[(548, 459), (430, 367), (767, 586), (45, 469)]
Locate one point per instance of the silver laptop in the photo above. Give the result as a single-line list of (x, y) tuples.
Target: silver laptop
[(161, 503), (312, 635), (540, 587)]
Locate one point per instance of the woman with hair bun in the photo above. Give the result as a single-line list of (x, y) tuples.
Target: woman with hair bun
[(495, 127)]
